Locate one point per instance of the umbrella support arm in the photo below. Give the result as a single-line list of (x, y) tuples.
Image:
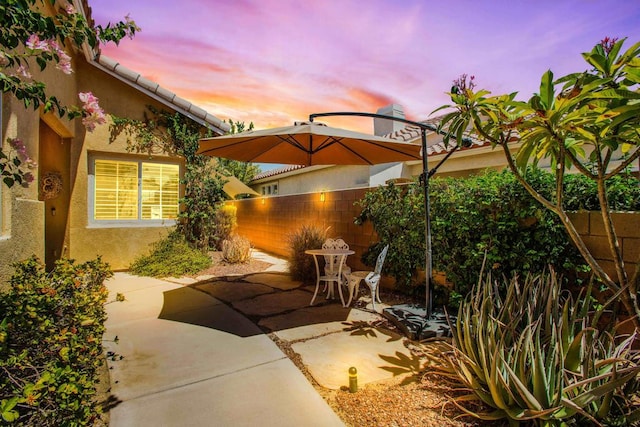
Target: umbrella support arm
[(424, 181)]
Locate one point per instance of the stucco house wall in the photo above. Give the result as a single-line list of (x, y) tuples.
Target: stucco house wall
[(22, 213), (28, 223), (117, 245), (316, 179)]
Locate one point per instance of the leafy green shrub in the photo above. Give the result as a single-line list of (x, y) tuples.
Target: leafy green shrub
[(488, 215), (171, 256), (623, 193), (491, 216), (536, 355), (236, 249), (225, 223), (301, 265), (397, 215), (51, 343)]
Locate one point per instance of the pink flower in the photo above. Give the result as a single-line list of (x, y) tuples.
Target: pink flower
[(21, 150), (23, 71), (92, 114), (3, 60), (64, 64), (34, 43), (89, 100), (70, 9), (16, 143), (607, 44), (28, 177)]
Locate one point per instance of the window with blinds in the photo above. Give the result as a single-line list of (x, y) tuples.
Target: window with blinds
[(125, 190)]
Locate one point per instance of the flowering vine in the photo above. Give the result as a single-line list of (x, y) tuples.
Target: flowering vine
[(16, 164), (92, 114), (35, 39)]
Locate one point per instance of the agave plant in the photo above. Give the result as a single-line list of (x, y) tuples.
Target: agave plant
[(535, 356)]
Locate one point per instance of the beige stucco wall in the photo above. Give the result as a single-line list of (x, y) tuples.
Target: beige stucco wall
[(316, 179), (23, 214), (117, 245)]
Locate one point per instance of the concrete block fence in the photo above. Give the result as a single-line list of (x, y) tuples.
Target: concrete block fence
[(627, 226), (268, 222)]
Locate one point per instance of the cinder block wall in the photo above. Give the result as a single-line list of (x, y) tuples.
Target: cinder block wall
[(268, 222), (627, 226)]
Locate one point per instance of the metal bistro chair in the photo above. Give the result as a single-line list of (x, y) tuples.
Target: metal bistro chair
[(371, 278), (346, 270)]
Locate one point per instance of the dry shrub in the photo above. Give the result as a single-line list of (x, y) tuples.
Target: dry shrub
[(236, 249), (301, 265)]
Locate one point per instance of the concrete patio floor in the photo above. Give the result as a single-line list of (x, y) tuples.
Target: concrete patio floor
[(196, 352)]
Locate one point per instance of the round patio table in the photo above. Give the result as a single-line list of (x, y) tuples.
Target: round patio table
[(334, 255)]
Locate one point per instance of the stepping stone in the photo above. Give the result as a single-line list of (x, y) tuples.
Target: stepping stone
[(234, 291), (275, 303), (314, 321), (275, 280)]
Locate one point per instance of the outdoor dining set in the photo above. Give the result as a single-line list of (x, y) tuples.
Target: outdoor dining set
[(337, 273)]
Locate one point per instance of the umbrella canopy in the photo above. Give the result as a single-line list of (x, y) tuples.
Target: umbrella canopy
[(308, 144)]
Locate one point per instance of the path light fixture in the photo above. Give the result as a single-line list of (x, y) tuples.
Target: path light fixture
[(424, 181)]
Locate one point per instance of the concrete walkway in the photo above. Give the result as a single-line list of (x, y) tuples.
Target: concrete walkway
[(174, 373), (195, 352)]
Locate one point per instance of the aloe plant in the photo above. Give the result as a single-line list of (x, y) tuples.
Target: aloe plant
[(535, 355)]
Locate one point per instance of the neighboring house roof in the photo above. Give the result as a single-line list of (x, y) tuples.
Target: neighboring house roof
[(278, 171), (412, 133), (146, 86)]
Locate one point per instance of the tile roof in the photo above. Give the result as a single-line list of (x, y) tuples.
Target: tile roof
[(147, 86), (278, 171), (411, 133)]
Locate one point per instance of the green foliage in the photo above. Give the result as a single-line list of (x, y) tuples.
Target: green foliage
[(301, 265), (244, 171), (51, 343), (236, 249), (535, 355), (491, 218), (225, 224), (586, 121), (22, 19), (172, 133), (397, 215), (582, 193), (171, 256), (490, 215)]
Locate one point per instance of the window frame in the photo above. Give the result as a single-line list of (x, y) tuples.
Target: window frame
[(123, 223)]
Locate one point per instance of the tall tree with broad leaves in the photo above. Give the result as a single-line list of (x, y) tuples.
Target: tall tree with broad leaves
[(589, 121)]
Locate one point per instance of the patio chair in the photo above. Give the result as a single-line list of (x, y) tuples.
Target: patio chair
[(371, 278), (346, 270)]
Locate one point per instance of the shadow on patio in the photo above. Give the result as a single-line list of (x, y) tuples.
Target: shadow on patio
[(275, 302)]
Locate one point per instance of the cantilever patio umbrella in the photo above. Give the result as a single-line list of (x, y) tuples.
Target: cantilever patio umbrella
[(309, 143)]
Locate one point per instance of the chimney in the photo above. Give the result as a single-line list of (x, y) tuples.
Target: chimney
[(383, 127)]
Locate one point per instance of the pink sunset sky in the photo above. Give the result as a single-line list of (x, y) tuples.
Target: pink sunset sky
[(272, 62)]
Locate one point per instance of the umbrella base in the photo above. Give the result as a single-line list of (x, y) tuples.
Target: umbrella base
[(411, 320)]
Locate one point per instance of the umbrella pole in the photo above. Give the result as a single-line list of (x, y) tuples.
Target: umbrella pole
[(424, 180)]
